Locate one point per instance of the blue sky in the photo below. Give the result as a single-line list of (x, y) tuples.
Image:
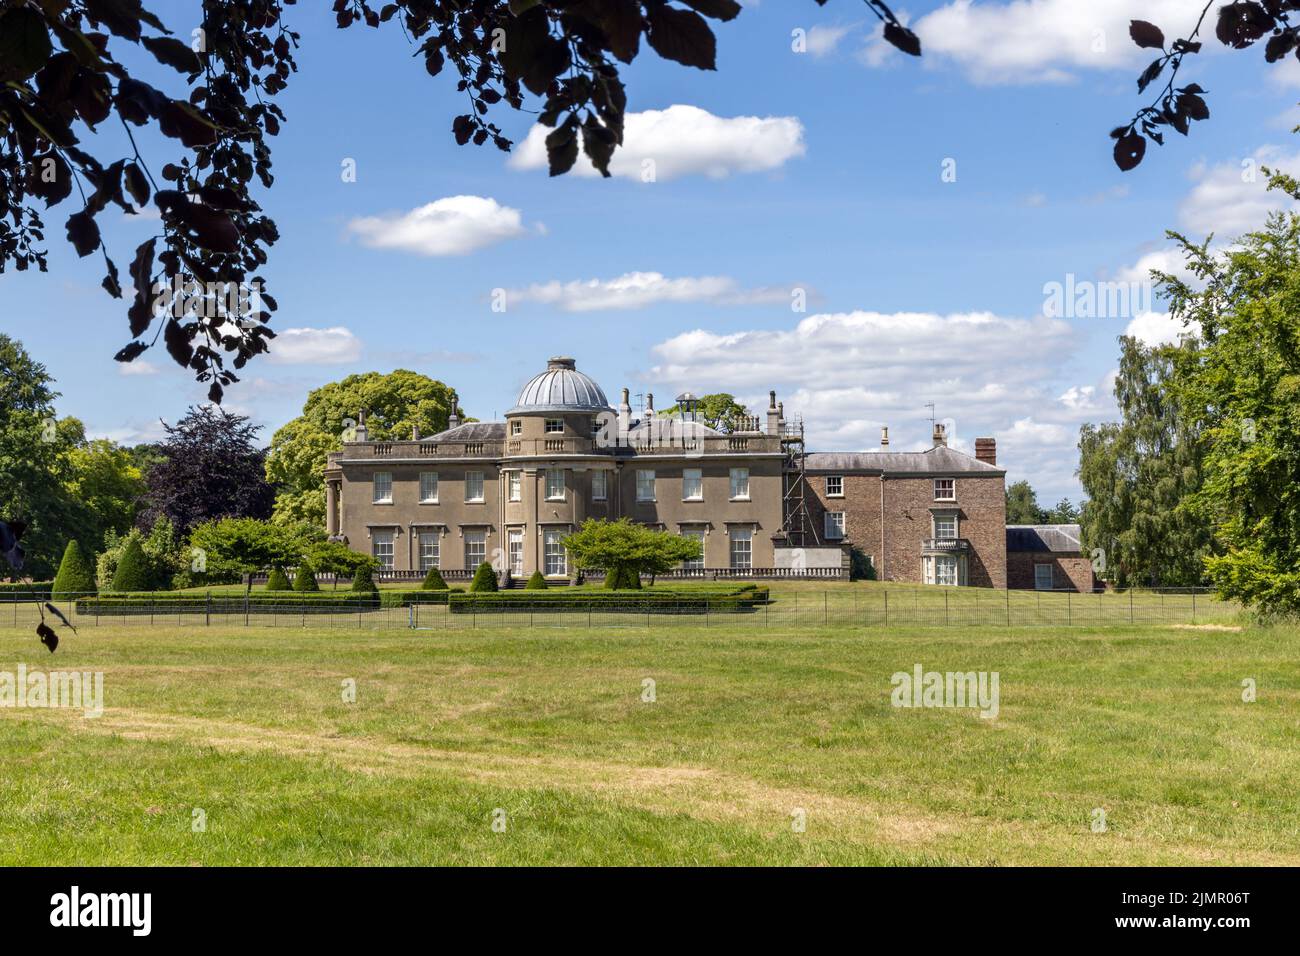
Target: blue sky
[(919, 289)]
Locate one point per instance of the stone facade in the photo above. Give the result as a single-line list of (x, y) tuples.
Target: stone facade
[(506, 492)]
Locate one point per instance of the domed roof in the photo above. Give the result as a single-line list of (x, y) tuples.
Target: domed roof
[(561, 388)]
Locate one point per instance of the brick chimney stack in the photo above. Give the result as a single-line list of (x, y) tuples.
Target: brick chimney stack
[(773, 415), (986, 450), (940, 438)]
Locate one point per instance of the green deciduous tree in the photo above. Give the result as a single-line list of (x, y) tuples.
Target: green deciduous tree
[(719, 411), (625, 551), (1022, 504), (234, 547), (1139, 472), (394, 403), (106, 486), (1244, 383)]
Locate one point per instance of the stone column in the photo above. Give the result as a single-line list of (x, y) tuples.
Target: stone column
[(331, 508)]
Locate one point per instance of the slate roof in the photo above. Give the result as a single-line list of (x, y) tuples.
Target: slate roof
[(940, 460), (472, 431), (1044, 538)]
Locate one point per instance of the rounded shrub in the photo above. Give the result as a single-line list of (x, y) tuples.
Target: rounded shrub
[(132, 569), (536, 583), (363, 580), (276, 580), (485, 579), (305, 579), (433, 581), (76, 575)]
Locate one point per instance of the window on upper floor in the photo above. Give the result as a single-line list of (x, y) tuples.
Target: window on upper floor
[(473, 486), (945, 489), (945, 527), (645, 485), (514, 486), (692, 484), (555, 426), (516, 428), (834, 486), (554, 484), (382, 488), (599, 488), (740, 484), (428, 487), (834, 525)]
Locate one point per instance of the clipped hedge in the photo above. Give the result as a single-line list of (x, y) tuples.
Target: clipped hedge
[(32, 589), (403, 598), (646, 601), (174, 602)]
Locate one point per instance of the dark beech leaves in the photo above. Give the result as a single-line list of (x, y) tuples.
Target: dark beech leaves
[(68, 66), (903, 38), (1146, 34)]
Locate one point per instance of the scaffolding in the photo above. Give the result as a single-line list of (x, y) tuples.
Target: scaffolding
[(797, 525)]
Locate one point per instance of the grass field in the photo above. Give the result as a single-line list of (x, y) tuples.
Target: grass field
[(749, 726)]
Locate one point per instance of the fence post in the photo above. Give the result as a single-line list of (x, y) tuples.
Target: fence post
[(1130, 605), (207, 611), (245, 608), (826, 608), (1008, 590), (1068, 610), (1193, 605), (886, 590), (945, 608)]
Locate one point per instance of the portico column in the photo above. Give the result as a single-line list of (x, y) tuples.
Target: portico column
[(331, 508)]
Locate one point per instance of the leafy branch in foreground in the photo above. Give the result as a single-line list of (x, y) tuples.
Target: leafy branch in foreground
[(1239, 25), (196, 283)]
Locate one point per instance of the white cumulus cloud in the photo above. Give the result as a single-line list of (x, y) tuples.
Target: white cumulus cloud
[(1046, 41), (849, 373), (684, 141), (452, 226), (639, 290), (333, 346), (1159, 328), (1232, 197)]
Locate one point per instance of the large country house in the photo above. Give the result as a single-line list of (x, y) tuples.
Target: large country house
[(759, 502)]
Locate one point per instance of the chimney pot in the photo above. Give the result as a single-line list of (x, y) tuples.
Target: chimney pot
[(884, 436), (940, 439)]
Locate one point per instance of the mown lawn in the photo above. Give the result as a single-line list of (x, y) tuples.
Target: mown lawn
[(749, 726)]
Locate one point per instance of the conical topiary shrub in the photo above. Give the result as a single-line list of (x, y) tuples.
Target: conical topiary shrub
[(76, 575), (433, 581), (276, 580), (363, 581), (305, 578), (132, 569), (485, 579), (536, 582)]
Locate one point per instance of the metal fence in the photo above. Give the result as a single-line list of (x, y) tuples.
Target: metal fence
[(878, 606)]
